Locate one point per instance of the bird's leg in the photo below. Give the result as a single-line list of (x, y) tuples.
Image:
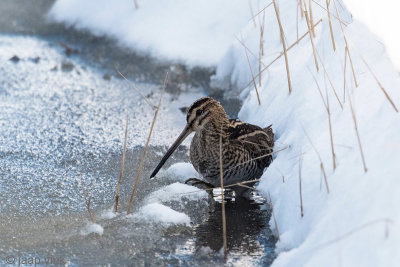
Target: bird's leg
[(198, 183)]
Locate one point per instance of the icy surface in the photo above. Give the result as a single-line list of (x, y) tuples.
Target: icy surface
[(357, 223)]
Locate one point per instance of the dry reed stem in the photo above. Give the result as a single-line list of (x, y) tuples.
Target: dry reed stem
[(223, 197), (333, 15), (137, 90), (87, 201), (281, 54), (344, 74), (330, 130), (284, 45), (330, 25), (301, 9), (320, 159), (310, 33), (347, 45), (252, 16), (261, 50), (146, 147), (379, 84), (251, 53), (356, 129), (330, 82), (252, 76), (121, 172), (327, 108), (273, 216), (311, 18), (259, 12), (301, 194)]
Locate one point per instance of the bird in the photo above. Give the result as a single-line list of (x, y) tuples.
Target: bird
[(246, 148)]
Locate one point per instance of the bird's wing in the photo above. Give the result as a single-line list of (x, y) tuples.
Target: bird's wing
[(256, 140)]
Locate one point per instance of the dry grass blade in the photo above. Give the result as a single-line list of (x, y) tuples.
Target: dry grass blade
[(320, 159), (357, 134), (252, 76), (311, 36), (250, 52), (311, 18), (87, 201), (146, 147), (273, 216), (330, 25), (284, 45), (223, 197), (259, 12), (344, 74), (330, 82), (327, 108), (281, 54), (252, 16), (347, 45), (301, 8), (121, 172), (337, 18), (301, 194), (137, 90), (261, 49), (379, 84)]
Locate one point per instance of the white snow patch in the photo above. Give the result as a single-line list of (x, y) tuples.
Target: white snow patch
[(181, 171), (92, 228), (108, 214), (196, 32), (175, 192), (160, 213)]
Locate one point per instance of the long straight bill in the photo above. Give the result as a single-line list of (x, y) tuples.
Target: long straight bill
[(186, 131)]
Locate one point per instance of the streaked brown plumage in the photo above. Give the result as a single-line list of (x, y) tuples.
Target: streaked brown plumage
[(246, 147)]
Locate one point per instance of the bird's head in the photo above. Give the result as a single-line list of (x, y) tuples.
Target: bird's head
[(204, 113)]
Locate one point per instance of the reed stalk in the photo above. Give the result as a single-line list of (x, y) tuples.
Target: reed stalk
[(146, 147), (284, 45)]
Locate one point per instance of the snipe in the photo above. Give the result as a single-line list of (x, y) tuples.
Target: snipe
[(246, 148)]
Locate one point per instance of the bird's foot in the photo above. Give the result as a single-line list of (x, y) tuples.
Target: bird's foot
[(199, 184)]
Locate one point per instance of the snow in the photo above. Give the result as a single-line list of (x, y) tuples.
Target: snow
[(195, 32), (161, 213), (182, 171), (92, 228), (356, 223), (368, 11)]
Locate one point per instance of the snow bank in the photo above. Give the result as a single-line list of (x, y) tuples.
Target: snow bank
[(195, 32), (358, 222)]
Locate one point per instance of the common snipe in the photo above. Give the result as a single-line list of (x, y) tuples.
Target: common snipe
[(246, 148)]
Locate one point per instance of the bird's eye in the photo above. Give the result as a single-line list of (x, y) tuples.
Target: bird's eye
[(199, 112)]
